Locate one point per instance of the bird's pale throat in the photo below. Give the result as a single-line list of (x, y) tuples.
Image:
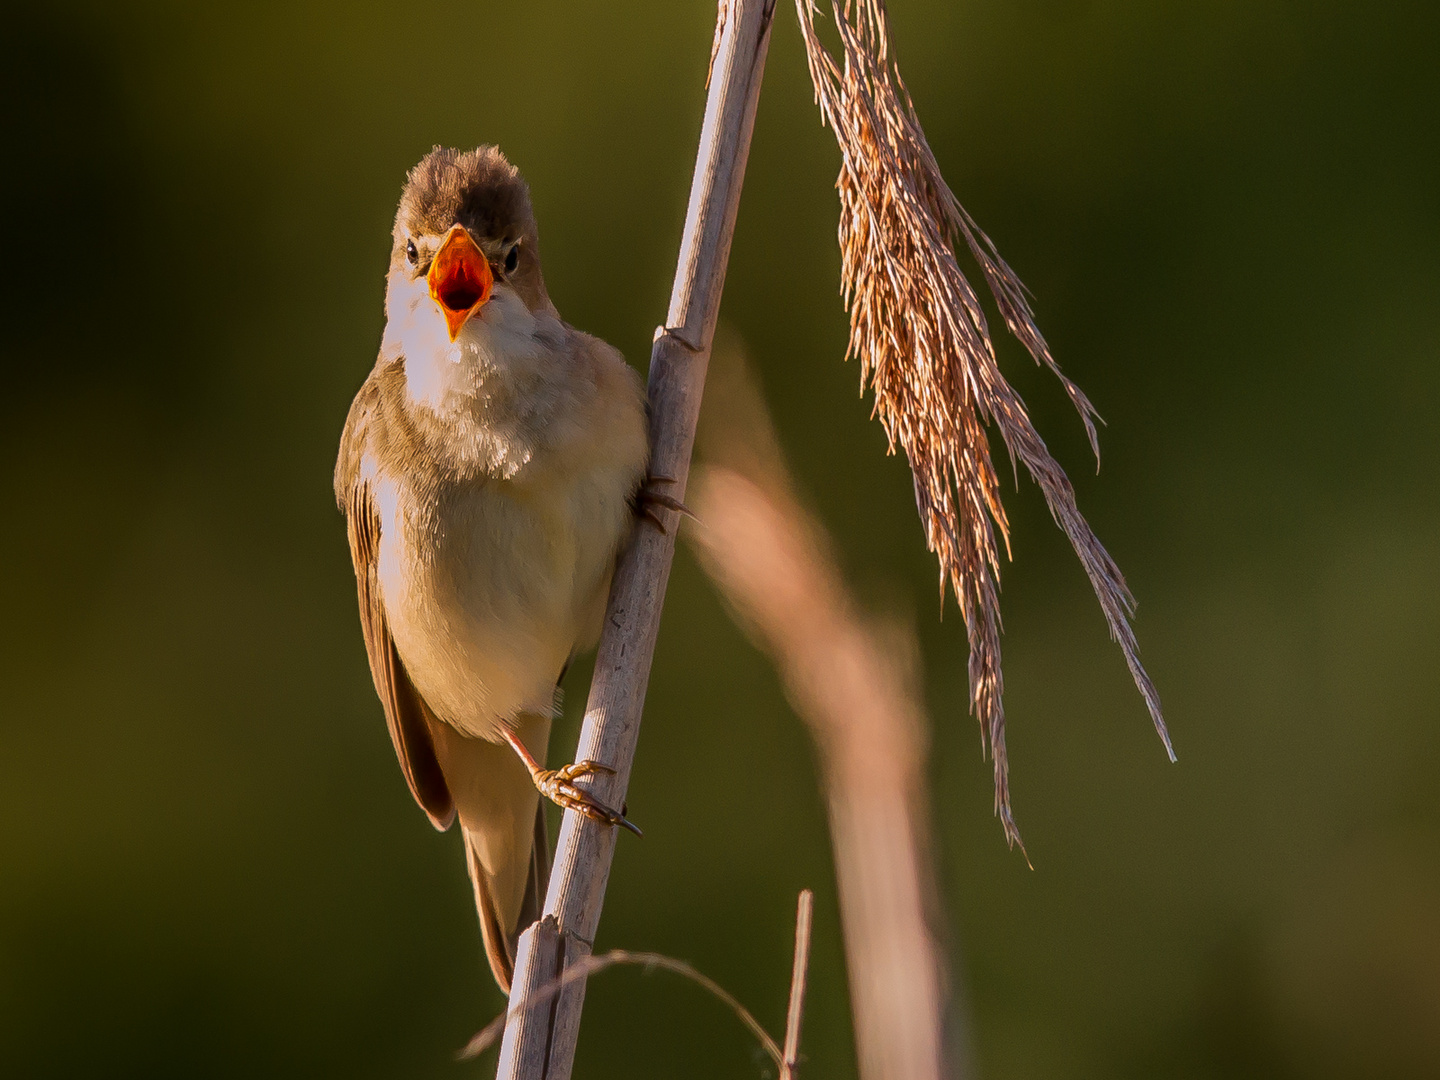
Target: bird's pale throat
[(460, 279)]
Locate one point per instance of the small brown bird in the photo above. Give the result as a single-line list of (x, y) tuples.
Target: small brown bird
[(489, 470)]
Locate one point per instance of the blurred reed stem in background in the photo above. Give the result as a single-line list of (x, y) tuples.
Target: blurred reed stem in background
[(852, 679)]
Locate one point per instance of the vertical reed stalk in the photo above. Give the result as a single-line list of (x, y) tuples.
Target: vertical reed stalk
[(539, 1044)]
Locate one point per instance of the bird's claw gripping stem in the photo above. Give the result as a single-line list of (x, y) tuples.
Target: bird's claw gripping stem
[(558, 786), (647, 498)]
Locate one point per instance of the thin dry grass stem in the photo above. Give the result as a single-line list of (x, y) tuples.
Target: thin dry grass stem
[(926, 352), (786, 1060), (592, 965), (799, 973)]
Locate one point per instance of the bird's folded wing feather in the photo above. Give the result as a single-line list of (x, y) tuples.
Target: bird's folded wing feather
[(406, 713)]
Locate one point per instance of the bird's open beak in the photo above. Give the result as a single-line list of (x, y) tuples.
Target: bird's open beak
[(460, 278)]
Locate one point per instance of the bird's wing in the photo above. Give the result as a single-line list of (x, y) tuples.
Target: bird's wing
[(406, 713)]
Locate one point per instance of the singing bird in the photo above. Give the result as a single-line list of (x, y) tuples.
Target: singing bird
[(490, 467)]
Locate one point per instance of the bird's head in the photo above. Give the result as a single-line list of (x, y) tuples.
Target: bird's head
[(465, 242)]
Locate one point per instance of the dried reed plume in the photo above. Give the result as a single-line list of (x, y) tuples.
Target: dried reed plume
[(925, 350), (852, 680)]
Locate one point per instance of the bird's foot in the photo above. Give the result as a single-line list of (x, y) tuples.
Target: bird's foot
[(558, 785), (648, 497)]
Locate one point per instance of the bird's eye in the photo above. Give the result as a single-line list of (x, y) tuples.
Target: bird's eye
[(411, 253), (512, 258)]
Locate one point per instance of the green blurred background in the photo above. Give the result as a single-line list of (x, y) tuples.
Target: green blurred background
[(1230, 214)]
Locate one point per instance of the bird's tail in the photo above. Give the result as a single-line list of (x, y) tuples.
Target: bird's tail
[(502, 934), (503, 822)]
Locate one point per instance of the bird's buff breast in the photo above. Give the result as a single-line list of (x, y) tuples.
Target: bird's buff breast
[(489, 587)]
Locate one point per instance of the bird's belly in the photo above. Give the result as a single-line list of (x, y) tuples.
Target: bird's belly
[(491, 588)]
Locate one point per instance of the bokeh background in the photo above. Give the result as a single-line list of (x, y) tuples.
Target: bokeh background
[(1230, 215)]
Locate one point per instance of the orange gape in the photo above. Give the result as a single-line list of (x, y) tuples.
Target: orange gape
[(460, 279)]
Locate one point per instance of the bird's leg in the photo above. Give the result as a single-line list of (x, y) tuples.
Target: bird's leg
[(648, 497), (558, 786)]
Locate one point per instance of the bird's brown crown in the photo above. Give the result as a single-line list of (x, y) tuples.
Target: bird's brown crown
[(477, 188), (481, 191)]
